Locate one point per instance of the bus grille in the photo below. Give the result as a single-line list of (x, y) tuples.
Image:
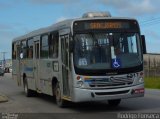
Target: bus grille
[(110, 82), (112, 93)]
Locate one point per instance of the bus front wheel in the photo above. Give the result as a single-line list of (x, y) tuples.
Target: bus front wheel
[(60, 102), (114, 103)]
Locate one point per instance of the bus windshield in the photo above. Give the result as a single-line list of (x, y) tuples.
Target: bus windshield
[(107, 50)]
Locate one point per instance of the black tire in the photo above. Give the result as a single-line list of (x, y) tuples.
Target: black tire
[(27, 91), (60, 102), (114, 103)]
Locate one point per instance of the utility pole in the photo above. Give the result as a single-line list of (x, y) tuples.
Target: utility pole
[(4, 60)]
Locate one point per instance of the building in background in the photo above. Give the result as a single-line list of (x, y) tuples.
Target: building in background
[(152, 64)]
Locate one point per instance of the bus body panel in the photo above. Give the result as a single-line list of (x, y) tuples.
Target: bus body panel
[(26, 69), (15, 72), (45, 81), (82, 95)]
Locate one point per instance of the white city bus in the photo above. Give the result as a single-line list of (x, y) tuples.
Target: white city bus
[(93, 58)]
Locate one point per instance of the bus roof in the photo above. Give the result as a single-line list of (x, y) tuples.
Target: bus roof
[(57, 26), (61, 25)]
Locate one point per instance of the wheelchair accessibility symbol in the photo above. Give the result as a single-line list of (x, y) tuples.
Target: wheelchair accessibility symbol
[(116, 63)]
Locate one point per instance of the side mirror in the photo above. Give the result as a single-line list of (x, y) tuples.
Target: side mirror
[(143, 44)]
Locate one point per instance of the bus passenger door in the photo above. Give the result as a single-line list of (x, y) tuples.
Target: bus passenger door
[(65, 64), (36, 64)]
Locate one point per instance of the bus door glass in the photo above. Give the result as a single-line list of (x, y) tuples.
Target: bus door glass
[(36, 64), (65, 64)]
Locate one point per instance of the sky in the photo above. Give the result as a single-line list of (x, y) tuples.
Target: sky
[(18, 17)]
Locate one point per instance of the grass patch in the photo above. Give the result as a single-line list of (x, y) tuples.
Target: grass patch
[(152, 82)]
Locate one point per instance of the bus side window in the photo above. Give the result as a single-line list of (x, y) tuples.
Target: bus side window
[(30, 48), (13, 51), (44, 47), (14, 54), (23, 53), (53, 46)]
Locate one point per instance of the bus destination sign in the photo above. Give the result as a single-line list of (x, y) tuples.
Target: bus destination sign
[(106, 25), (103, 24)]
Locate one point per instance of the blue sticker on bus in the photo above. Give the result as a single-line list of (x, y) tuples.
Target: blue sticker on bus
[(116, 63)]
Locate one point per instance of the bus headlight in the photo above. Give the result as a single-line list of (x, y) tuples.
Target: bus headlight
[(80, 83), (141, 77), (140, 80)]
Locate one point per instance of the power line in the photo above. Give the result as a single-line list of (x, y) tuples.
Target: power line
[(150, 20), (153, 21), (150, 24)]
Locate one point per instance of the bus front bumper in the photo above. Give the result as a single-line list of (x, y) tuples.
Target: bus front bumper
[(82, 95)]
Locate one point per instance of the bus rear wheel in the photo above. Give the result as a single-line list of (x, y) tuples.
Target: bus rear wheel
[(60, 102), (114, 103)]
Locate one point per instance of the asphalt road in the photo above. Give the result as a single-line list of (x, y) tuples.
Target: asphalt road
[(18, 103)]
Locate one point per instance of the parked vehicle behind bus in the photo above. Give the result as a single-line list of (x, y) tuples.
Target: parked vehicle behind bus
[(93, 58), (1, 72)]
